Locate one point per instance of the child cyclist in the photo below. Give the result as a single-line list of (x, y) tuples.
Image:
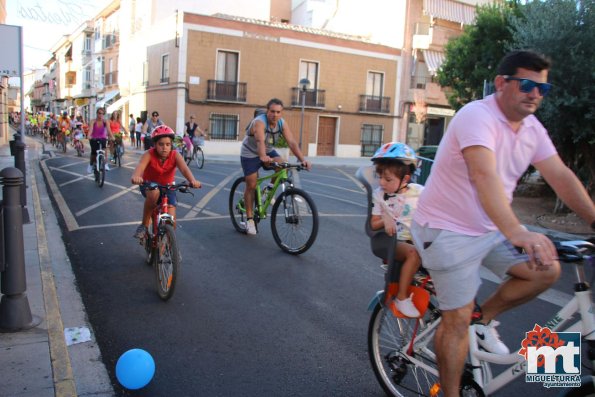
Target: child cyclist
[(159, 164), (394, 202)]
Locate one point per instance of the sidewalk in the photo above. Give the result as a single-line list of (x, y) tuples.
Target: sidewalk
[(39, 362)]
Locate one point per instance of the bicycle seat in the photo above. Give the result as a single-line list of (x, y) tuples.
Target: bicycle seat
[(382, 245)]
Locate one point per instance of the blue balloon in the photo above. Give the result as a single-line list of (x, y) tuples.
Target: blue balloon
[(135, 369)]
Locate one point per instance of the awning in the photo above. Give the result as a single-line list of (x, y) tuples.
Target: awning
[(434, 60), (450, 10), (106, 98), (117, 105)]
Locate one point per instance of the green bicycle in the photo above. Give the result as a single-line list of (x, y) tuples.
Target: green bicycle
[(294, 217)]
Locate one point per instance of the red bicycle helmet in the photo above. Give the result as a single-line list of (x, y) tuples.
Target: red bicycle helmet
[(161, 131)]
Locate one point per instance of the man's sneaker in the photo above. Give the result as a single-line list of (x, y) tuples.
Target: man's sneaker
[(89, 169), (141, 232), (406, 307), (106, 166), (489, 339), (250, 227)]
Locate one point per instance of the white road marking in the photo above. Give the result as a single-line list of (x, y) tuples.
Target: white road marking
[(205, 200)]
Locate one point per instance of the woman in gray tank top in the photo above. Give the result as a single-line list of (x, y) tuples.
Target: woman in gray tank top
[(150, 124)]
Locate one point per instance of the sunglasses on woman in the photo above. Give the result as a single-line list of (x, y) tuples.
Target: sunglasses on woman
[(526, 85)]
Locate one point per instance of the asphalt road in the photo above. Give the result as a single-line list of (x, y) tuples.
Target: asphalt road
[(246, 319)]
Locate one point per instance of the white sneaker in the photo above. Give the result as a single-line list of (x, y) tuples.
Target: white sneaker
[(250, 227), (107, 167), (489, 339), (89, 169), (406, 307)]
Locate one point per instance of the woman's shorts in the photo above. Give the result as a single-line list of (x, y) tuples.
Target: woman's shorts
[(94, 143), (171, 196), (250, 165), (453, 260)]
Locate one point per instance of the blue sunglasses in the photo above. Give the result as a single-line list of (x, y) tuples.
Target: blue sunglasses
[(526, 85)]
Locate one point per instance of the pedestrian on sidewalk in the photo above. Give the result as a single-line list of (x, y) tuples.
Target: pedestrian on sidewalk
[(131, 130)]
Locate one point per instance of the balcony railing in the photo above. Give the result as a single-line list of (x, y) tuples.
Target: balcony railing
[(419, 82), (314, 98), (230, 91), (374, 104)]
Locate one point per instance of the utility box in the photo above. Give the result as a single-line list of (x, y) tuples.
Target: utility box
[(426, 155)]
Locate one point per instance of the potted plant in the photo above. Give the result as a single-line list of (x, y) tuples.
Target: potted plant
[(282, 147)]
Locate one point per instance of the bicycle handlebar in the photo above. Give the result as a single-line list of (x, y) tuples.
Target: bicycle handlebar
[(574, 251), (286, 165), (182, 187)]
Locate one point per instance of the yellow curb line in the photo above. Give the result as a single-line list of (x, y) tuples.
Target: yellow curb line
[(64, 385)]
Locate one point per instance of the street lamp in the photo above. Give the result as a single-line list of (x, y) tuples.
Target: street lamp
[(304, 84)]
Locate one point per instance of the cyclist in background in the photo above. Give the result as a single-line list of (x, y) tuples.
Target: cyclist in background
[(257, 150), (119, 132), (464, 218), (100, 132), (149, 126), (159, 164), (395, 201)]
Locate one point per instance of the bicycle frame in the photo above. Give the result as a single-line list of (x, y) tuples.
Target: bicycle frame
[(99, 152), (280, 178), (580, 303), (161, 216)]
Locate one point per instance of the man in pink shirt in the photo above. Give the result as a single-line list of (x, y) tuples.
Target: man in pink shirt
[(464, 218)]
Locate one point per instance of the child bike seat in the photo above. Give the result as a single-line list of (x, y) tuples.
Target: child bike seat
[(382, 245)]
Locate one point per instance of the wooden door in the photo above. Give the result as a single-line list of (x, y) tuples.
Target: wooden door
[(327, 127)]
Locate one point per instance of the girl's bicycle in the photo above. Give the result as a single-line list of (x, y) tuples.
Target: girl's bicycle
[(78, 142), (160, 241), (294, 217), (401, 349)]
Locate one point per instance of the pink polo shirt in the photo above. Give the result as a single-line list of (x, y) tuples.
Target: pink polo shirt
[(449, 200)]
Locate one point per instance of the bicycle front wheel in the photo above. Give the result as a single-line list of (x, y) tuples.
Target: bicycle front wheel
[(388, 340), (199, 157), (100, 177), (118, 156), (167, 262), (237, 208), (294, 221)]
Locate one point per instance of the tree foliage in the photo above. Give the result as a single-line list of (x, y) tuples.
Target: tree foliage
[(564, 30), (472, 58)]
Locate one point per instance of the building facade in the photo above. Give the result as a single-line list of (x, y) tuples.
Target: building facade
[(221, 68), (170, 56)]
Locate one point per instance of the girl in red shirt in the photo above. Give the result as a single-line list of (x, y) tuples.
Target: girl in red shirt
[(159, 164)]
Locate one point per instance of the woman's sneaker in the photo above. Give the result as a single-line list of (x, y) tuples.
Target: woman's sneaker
[(89, 169), (406, 307), (489, 339)]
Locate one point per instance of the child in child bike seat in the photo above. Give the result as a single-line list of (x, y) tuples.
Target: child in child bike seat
[(395, 201), (159, 164)]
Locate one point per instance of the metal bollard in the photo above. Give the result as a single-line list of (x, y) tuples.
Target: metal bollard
[(19, 162), (15, 313)]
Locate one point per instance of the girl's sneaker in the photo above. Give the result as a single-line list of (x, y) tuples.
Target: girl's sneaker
[(407, 308)]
